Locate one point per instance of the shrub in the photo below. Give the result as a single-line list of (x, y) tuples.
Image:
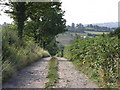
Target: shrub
[(99, 55)]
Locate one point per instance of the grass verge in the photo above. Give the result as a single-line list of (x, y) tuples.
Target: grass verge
[(97, 58), (88, 71), (92, 74), (52, 73), (17, 54)]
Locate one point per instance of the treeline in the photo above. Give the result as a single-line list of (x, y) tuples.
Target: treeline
[(42, 21), (99, 58), (80, 28), (31, 36)]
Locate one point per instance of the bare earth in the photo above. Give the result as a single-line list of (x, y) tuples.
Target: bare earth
[(71, 78), (33, 76)]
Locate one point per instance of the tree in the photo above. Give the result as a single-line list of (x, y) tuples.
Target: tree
[(117, 32), (42, 21), (18, 13), (80, 28), (73, 25), (49, 19)]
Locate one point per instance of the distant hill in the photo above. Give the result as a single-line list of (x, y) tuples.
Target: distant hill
[(108, 24), (80, 28)]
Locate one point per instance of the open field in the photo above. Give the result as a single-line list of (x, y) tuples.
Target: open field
[(98, 33), (66, 38)]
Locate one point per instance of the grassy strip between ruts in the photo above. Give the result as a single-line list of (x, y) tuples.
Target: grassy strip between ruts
[(52, 73)]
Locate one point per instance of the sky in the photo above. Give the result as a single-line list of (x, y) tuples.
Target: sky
[(90, 11), (85, 11)]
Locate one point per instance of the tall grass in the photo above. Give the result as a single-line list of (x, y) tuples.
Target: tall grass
[(16, 53)]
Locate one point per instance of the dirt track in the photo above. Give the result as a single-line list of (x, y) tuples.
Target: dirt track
[(33, 76), (71, 78)]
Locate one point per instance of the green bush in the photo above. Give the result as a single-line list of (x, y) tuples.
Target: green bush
[(18, 53), (98, 56), (52, 48)]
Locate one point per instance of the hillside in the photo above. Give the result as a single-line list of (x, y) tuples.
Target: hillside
[(82, 31), (108, 24)]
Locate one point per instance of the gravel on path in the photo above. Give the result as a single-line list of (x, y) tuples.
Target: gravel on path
[(33, 76), (70, 77)]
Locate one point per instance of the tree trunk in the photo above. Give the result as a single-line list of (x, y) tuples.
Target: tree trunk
[(20, 29), (44, 46), (35, 37)]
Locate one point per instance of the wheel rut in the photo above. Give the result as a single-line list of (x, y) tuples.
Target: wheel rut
[(70, 77)]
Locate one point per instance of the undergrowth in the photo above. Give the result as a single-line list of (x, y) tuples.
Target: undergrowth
[(98, 58), (16, 54)]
